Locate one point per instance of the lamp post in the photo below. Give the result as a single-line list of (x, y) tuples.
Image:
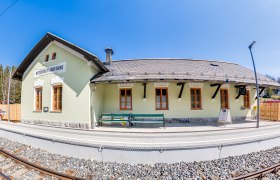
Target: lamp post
[(9, 92), (257, 85)]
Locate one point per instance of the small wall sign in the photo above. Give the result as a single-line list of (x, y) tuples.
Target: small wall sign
[(46, 109)]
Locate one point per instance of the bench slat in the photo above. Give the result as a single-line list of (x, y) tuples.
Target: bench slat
[(147, 115), (118, 115), (113, 120), (150, 122)]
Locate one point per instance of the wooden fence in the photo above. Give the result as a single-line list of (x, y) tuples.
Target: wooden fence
[(270, 111), (14, 111)]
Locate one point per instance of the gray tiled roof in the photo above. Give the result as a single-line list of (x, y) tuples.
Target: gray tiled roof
[(179, 69)]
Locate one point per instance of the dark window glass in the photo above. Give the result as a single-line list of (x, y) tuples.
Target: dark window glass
[(196, 99), (47, 58), (161, 99), (54, 56), (158, 92)]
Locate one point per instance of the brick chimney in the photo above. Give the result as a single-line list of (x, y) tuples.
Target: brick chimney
[(109, 53)]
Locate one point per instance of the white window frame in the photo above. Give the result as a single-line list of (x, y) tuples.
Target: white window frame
[(34, 97), (52, 93)]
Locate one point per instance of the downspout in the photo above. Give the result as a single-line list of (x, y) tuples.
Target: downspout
[(92, 112)]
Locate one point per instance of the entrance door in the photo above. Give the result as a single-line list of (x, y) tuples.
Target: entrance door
[(224, 99)]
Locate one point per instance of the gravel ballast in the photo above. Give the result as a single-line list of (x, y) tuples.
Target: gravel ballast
[(224, 168)]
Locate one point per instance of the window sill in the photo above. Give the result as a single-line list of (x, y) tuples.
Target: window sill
[(37, 111), (196, 109), (162, 109), (55, 111)]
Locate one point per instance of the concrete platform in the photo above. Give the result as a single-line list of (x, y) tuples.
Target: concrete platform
[(188, 127), (146, 145)]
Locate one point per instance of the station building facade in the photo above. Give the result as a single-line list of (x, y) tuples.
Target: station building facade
[(65, 85)]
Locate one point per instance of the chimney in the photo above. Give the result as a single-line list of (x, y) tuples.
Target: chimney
[(109, 53)]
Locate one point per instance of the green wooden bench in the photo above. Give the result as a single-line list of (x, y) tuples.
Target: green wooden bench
[(114, 118), (146, 118)]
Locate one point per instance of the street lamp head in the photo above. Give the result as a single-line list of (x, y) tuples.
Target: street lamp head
[(252, 44)]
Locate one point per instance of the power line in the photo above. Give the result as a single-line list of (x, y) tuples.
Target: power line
[(8, 7)]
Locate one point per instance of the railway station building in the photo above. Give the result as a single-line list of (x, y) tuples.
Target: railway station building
[(67, 86)]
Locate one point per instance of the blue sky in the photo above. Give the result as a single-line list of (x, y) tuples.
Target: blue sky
[(199, 29)]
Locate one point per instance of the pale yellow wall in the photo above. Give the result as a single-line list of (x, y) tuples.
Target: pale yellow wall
[(76, 89), (177, 108), (97, 100)]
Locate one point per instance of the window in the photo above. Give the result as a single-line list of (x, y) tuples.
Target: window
[(224, 99), (247, 99), (161, 99), (47, 58), (57, 98), (38, 99), (196, 99), (53, 56), (125, 99)]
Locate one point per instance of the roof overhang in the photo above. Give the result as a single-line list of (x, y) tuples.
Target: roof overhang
[(180, 80), (43, 43)]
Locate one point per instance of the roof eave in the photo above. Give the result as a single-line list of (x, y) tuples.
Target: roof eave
[(276, 85)]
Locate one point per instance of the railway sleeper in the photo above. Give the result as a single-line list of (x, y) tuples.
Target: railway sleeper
[(4, 168), (18, 174)]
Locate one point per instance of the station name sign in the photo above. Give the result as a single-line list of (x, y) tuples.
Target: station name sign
[(59, 68)]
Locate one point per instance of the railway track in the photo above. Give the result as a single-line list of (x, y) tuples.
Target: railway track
[(17, 168), (260, 174)]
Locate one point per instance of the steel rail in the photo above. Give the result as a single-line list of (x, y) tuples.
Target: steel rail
[(259, 174), (43, 170), (4, 177)]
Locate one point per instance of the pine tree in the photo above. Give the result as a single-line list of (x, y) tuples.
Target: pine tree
[(16, 88), (15, 91), (6, 75)]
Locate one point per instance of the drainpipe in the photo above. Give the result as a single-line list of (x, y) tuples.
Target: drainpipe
[(92, 114)]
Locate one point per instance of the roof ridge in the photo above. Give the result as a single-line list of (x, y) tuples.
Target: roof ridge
[(186, 59)]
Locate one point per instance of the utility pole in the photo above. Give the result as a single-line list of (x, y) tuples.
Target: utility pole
[(9, 92)]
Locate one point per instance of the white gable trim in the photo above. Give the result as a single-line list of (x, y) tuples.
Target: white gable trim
[(57, 80), (39, 83)]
